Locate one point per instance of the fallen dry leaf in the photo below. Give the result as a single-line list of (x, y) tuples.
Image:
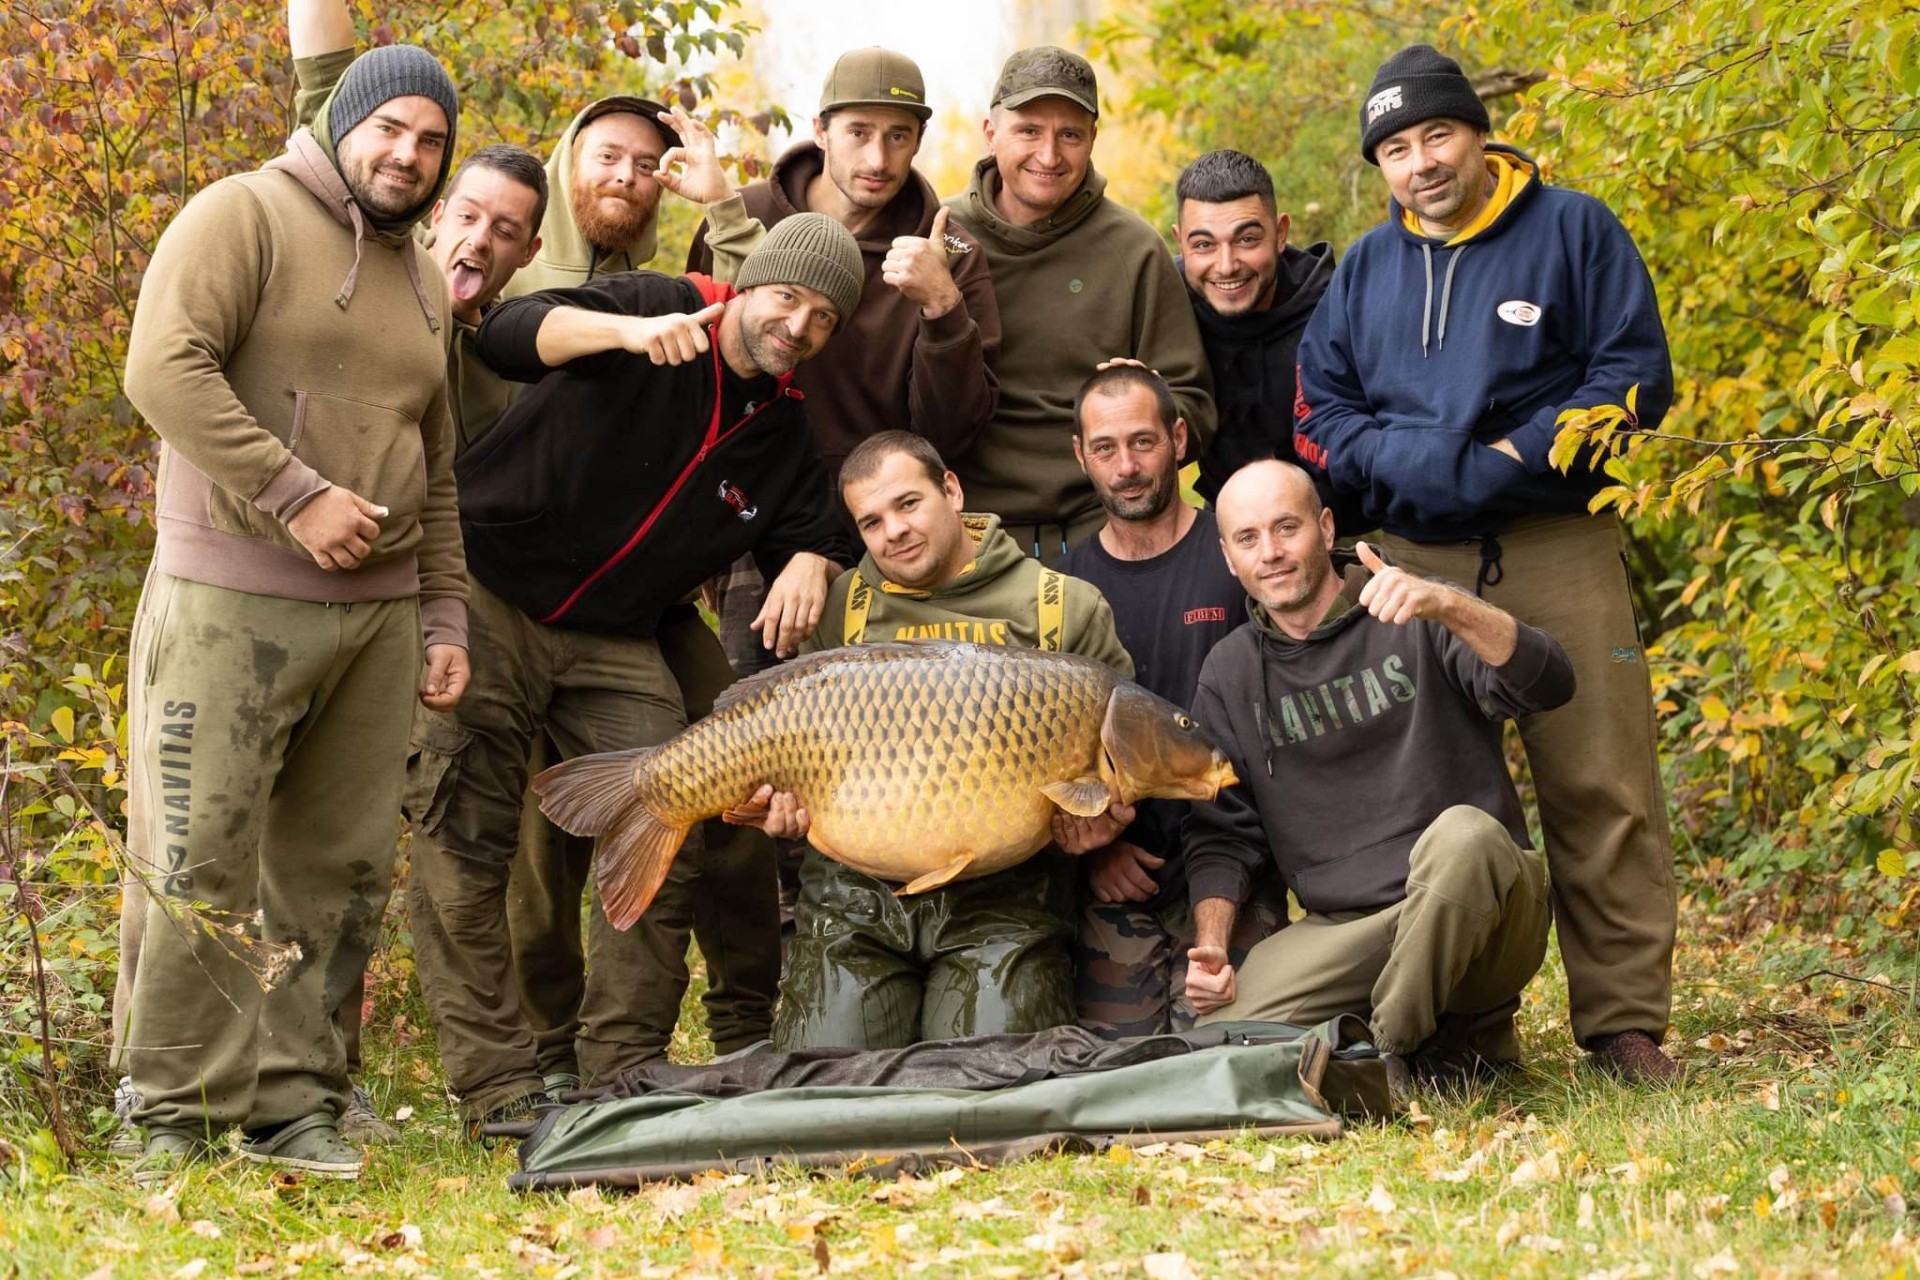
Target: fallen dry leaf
[(1168, 1266), (161, 1207), (1769, 1095), (1584, 1220), (822, 1256), (1720, 1264), (1545, 1168), (604, 1236), (402, 1114), (1379, 1201), (190, 1270), (204, 1229)]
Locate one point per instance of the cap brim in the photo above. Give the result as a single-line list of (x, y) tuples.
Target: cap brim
[(1025, 96), (919, 110), (646, 108)]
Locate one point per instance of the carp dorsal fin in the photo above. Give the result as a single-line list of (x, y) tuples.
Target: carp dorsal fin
[(1085, 797), (597, 796), (935, 878)]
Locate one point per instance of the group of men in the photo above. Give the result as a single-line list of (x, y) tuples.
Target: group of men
[(445, 469)]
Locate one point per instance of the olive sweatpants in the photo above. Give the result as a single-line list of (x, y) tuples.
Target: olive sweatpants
[(732, 910), (1461, 946), (870, 970), (1596, 776), (272, 744)]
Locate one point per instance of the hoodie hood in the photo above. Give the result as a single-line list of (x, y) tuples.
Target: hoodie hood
[(994, 553), (310, 162), (909, 213), (565, 257), (1341, 614), (1303, 278), (985, 221)]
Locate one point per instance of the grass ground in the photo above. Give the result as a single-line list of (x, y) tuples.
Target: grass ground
[(1794, 1150)]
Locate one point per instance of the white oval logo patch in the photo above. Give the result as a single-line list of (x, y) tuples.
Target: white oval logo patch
[(1520, 313)]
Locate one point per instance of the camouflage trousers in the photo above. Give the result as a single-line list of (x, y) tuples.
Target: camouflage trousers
[(1130, 959)]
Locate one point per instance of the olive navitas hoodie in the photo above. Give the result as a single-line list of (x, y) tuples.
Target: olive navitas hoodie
[(565, 258), (1349, 744), (1090, 283), (997, 598), (283, 344)]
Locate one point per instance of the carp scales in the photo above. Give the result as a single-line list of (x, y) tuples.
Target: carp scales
[(924, 762)]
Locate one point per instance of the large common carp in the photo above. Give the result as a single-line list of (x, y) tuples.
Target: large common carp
[(923, 763)]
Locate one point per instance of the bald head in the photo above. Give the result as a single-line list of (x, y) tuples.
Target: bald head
[(1277, 535)]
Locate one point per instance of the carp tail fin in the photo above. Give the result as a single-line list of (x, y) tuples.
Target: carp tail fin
[(597, 796)]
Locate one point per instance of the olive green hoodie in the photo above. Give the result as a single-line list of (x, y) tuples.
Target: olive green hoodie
[(565, 258), (281, 345), (1090, 283), (995, 599)]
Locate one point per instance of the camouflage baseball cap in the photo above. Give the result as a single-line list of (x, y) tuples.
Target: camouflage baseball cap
[(1045, 71), (876, 77)]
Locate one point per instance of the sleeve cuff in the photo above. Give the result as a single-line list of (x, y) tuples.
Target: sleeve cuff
[(292, 487), (954, 326), (1216, 876), (443, 620), (1528, 662)]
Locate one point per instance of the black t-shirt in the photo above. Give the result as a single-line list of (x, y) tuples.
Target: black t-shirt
[(1169, 611)]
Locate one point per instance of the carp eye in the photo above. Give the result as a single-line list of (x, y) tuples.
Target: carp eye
[(1185, 722)]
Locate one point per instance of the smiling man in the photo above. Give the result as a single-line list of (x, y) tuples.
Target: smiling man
[(1253, 294), (1363, 716), (1432, 383), (1079, 280)]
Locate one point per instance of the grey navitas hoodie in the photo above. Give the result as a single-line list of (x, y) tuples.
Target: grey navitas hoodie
[(565, 258), (1349, 744)]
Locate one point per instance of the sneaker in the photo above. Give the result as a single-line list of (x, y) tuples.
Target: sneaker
[(311, 1144), (559, 1084), (166, 1149), (361, 1124), (127, 1139), (1634, 1057)]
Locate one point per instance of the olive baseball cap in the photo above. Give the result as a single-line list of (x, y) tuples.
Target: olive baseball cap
[(1045, 71), (876, 77)]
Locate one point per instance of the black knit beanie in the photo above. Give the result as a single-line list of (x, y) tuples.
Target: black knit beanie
[(1415, 85), (383, 74)]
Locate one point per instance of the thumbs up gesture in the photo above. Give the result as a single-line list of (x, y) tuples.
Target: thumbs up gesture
[(917, 267), (671, 339), (1398, 597)]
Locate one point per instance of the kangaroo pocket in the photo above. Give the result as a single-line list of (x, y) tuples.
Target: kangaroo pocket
[(374, 450), (1362, 880), (533, 563), (1437, 477)]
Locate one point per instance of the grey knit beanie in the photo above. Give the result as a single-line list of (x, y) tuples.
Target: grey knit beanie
[(1416, 85), (809, 249), (383, 74)]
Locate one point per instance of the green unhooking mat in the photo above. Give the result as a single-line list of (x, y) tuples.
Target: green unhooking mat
[(981, 1100)]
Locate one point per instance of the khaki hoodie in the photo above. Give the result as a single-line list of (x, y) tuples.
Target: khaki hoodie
[(565, 258), (1092, 282), (995, 599), (282, 345)]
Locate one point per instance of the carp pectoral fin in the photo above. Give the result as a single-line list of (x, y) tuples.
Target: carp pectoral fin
[(1086, 797), (934, 879), (632, 863)]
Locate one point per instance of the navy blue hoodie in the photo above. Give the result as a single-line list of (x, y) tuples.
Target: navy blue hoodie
[(1423, 354)]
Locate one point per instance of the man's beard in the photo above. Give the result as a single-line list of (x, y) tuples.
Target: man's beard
[(609, 233), (1147, 505), (768, 356), (385, 204)]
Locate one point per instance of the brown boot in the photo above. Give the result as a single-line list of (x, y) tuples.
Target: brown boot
[(1635, 1058)]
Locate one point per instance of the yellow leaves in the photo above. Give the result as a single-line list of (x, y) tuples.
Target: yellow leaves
[(61, 722), (1891, 862), (1714, 711)]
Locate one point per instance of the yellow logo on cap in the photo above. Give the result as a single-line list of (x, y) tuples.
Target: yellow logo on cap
[(903, 93)]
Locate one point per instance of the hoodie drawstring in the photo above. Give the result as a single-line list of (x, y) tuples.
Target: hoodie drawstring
[(1446, 297), (407, 249), (1491, 571)]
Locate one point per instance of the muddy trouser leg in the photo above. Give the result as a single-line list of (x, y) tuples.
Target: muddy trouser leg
[(465, 784), (997, 956), (133, 885), (275, 735), (347, 1020), (1603, 813), (852, 980), (736, 904), (614, 693), (551, 870)]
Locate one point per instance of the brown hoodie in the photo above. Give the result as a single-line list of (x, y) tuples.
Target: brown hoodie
[(887, 367), (282, 345)]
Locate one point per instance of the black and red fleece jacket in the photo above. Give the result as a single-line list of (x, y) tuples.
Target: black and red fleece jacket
[(614, 487)]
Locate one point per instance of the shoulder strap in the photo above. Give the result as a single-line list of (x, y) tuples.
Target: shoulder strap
[(1053, 609), (859, 600)]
